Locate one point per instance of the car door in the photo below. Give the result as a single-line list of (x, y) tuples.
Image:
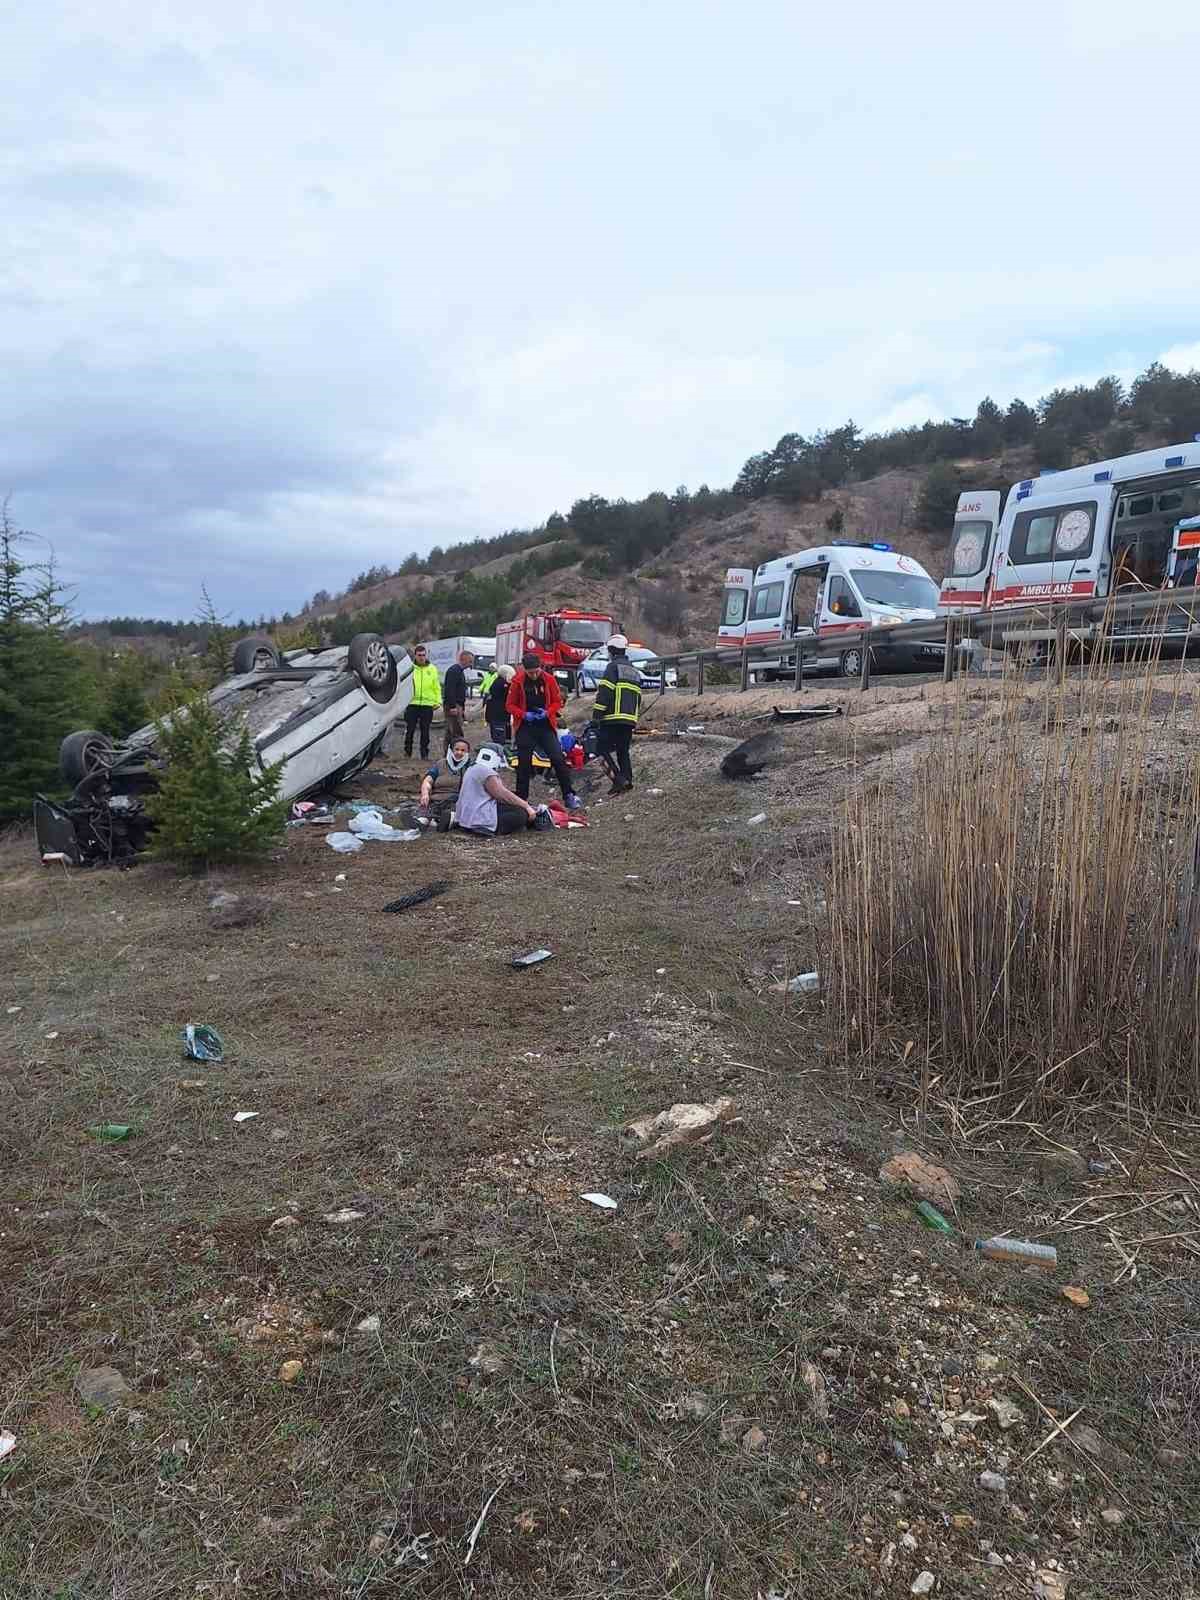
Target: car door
[(735, 602), (1055, 551), (967, 584)]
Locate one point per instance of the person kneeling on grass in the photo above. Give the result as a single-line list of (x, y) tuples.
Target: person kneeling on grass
[(455, 762), (487, 805)]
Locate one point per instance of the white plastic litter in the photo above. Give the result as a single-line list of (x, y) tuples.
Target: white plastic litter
[(244, 1116), (8, 1443), (806, 983), (753, 822), (344, 843), (370, 825), (605, 1202)]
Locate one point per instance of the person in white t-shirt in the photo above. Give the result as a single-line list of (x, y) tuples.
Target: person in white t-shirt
[(486, 804)]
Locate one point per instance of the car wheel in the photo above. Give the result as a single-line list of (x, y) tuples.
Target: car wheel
[(83, 754), (255, 655), (375, 666), (850, 666)]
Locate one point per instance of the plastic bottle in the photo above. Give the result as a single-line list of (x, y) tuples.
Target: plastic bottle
[(932, 1217), (1019, 1251)]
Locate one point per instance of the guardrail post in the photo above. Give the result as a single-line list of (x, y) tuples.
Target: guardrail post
[(948, 663), (864, 681), (699, 673), (798, 683), (745, 684)]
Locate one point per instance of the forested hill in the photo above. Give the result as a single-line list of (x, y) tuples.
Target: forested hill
[(657, 563)]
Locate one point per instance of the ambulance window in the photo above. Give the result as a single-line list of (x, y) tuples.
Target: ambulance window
[(734, 613), (841, 599), (1142, 506), (1171, 501), (768, 601), (1064, 534), (970, 548)]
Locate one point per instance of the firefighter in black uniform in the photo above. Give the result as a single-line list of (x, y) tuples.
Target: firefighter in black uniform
[(615, 713)]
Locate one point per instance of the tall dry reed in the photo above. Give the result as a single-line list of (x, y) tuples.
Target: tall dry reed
[(1025, 922)]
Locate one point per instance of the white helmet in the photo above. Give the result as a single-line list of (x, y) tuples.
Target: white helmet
[(489, 757), (618, 642)]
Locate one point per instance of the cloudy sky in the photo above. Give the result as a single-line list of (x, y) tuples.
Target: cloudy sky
[(287, 289)]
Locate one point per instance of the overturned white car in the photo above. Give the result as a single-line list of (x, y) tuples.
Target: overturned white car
[(323, 714)]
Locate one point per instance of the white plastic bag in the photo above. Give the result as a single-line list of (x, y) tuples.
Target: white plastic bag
[(370, 825), (344, 843)]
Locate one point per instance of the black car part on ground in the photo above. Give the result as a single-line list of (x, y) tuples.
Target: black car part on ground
[(418, 897), (98, 830)]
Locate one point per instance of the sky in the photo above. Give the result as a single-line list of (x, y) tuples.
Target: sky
[(291, 289)]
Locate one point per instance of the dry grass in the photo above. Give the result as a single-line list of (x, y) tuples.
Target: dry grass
[(1031, 921)]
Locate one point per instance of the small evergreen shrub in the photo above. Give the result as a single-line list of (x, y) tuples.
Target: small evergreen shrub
[(213, 802)]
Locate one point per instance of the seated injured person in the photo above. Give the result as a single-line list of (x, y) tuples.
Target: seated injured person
[(487, 805), (453, 765)]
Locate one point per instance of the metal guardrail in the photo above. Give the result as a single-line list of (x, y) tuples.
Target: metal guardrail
[(1175, 614)]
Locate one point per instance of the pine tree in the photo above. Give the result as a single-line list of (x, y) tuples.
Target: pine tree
[(44, 689), (213, 803), (125, 706)]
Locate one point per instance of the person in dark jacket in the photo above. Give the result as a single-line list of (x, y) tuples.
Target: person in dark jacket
[(495, 708), (615, 713), (534, 701), (454, 696)]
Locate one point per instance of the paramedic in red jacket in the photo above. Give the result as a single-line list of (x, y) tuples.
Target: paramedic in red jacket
[(534, 701)]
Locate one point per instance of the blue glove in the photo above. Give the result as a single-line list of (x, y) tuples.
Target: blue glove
[(530, 716)]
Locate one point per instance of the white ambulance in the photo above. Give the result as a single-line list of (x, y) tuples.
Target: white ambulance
[(831, 594), (1089, 531)]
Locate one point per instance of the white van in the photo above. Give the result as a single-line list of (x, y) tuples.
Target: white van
[(832, 593), (444, 653), (1087, 532)]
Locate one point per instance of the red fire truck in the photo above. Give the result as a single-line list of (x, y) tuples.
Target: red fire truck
[(560, 639)]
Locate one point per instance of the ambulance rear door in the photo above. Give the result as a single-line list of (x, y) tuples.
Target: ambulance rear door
[(967, 584), (735, 604)]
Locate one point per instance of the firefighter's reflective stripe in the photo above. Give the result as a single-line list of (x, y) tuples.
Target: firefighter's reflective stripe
[(618, 694)]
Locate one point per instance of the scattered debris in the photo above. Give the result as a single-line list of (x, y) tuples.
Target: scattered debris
[(1113, 1516), (931, 1217), (480, 1520), (750, 757), (533, 958), (1019, 1251), (923, 1583), (112, 1131), (899, 1449), (804, 983), (344, 843), (756, 819), (346, 1214), (102, 1387), (930, 1182), (53, 1034), (813, 1380), (290, 1371), (418, 897), (202, 1043), (370, 1324), (8, 1443), (604, 1201), (244, 1116), (12, 1010), (285, 1222), (1077, 1297), (993, 1482), (370, 825), (1048, 1584), (1006, 1413), (685, 1123)]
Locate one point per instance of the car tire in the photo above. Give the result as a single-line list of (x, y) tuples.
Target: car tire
[(255, 654), (850, 664), (374, 665), (81, 755)]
